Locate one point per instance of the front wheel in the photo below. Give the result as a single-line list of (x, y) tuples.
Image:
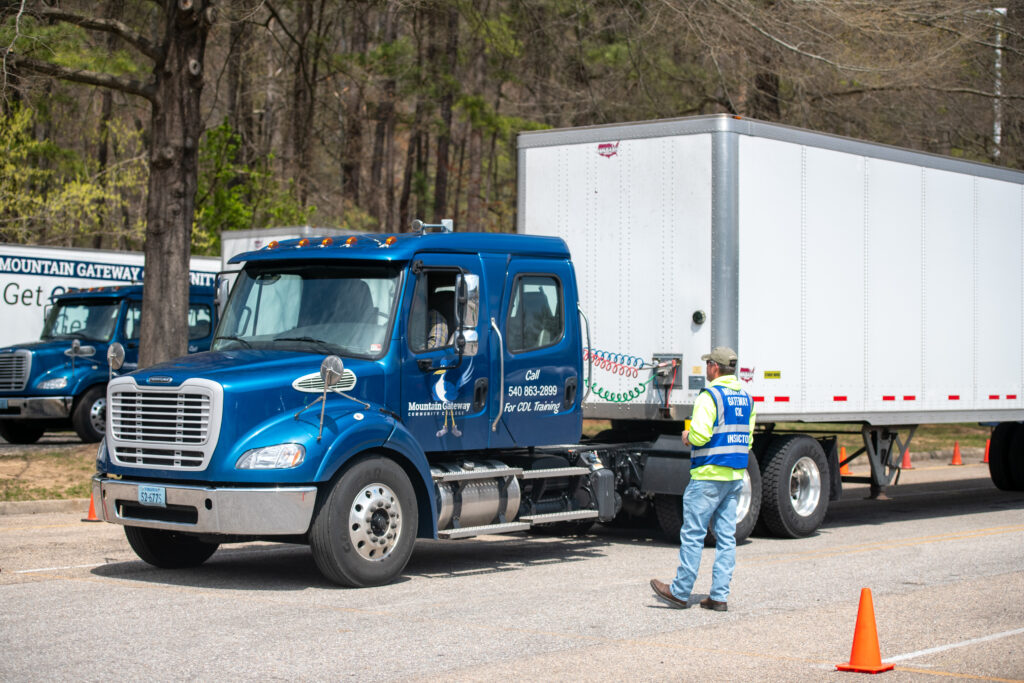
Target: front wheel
[(20, 431), (168, 549), (90, 415), (364, 531), (794, 499)]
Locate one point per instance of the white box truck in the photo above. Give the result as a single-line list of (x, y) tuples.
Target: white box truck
[(30, 276), (859, 283)]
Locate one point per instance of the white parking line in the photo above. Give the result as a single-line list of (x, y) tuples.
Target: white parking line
[(57, 569), (965, 643)]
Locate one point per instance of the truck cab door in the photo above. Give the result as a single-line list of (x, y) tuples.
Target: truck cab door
[(445, 395), (541, 356)]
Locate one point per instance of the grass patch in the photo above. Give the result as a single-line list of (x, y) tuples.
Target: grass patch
[(47, 476)]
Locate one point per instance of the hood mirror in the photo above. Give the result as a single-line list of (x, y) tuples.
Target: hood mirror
[(79, 351), (331, 371), (115, 357)]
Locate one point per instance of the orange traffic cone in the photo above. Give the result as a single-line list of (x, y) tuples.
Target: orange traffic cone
[(906, 464), (865, 656), (957, 460), (844, 469), (92, 512), (988, 442)]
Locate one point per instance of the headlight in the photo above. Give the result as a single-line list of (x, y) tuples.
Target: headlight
[(279, 457), (55, 383)]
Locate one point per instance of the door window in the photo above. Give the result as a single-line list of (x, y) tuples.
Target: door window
[(535, 317), (432, 314)]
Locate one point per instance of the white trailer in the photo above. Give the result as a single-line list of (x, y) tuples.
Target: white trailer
[(859, 283), (31, 276)]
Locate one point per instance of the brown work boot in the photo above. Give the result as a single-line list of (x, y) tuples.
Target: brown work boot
[(662, 592), (708, 603)]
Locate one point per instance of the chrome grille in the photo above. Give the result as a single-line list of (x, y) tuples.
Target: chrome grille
[(160, 417), (164, 427), (14, 370)]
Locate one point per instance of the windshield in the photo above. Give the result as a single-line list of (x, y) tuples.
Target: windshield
[(93, 320), (341, 309)]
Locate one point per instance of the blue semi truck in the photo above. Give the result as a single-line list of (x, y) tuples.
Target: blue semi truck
[(61, 379), (463, 371), (362, 393)]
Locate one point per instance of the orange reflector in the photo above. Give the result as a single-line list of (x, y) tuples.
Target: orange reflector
[(350, 241), (304, 242), (327, 241), (272, 245)]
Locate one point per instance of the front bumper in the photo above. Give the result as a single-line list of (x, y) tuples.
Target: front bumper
[(32, 408), (282, 511)]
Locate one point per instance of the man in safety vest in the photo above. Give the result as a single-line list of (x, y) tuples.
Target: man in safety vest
[(721, 433)]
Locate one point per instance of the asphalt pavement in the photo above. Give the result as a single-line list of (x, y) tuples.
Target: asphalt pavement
[(943, 558)]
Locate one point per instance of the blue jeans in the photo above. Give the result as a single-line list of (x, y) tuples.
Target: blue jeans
[(704, 503)]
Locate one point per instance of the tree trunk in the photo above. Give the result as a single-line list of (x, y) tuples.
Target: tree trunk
[(444, 136), (240, 68), (175, 128)]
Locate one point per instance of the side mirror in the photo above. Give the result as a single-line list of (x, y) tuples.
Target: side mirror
[(331, 371), (467, 300)]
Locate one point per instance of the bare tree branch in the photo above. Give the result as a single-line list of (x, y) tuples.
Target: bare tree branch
[(130, 86), (120, 29)]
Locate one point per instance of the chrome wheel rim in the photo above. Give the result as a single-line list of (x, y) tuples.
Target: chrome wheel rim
[(804, 486), (98, 415), (375, 522), (743, 504)]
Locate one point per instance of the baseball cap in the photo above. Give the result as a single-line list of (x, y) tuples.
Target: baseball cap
[(722, 355)]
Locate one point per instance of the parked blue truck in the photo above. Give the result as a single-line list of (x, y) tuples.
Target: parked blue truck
[(60, 380)]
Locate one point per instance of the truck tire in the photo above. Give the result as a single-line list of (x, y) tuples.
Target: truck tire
[(1016, 459), (20, 431), (794, 478), (364, 530), (1000, 454), (168, 549), (669, 509), (90, 415)]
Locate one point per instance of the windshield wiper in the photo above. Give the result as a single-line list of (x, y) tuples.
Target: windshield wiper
[(312, 340), (237, 339)]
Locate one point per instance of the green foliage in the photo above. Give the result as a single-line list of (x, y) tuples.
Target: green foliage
[(52, 195), (67, 45), (234, 196)]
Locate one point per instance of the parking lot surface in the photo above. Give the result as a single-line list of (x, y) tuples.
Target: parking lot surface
[(943, 557)]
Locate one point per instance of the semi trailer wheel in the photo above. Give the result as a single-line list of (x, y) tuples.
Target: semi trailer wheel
[(1000, 454), (20, 431), (90, 415), (364, 531), (1016, 459), (794, 484), (669, 508), (168, 549)]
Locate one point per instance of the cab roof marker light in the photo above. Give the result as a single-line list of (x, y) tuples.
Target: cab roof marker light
[(389, 241), (304, 242), (351, 241), (327, 241), (273, 244)]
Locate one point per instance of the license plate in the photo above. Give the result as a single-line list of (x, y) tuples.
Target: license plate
[(155, 496), (3, 404)]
